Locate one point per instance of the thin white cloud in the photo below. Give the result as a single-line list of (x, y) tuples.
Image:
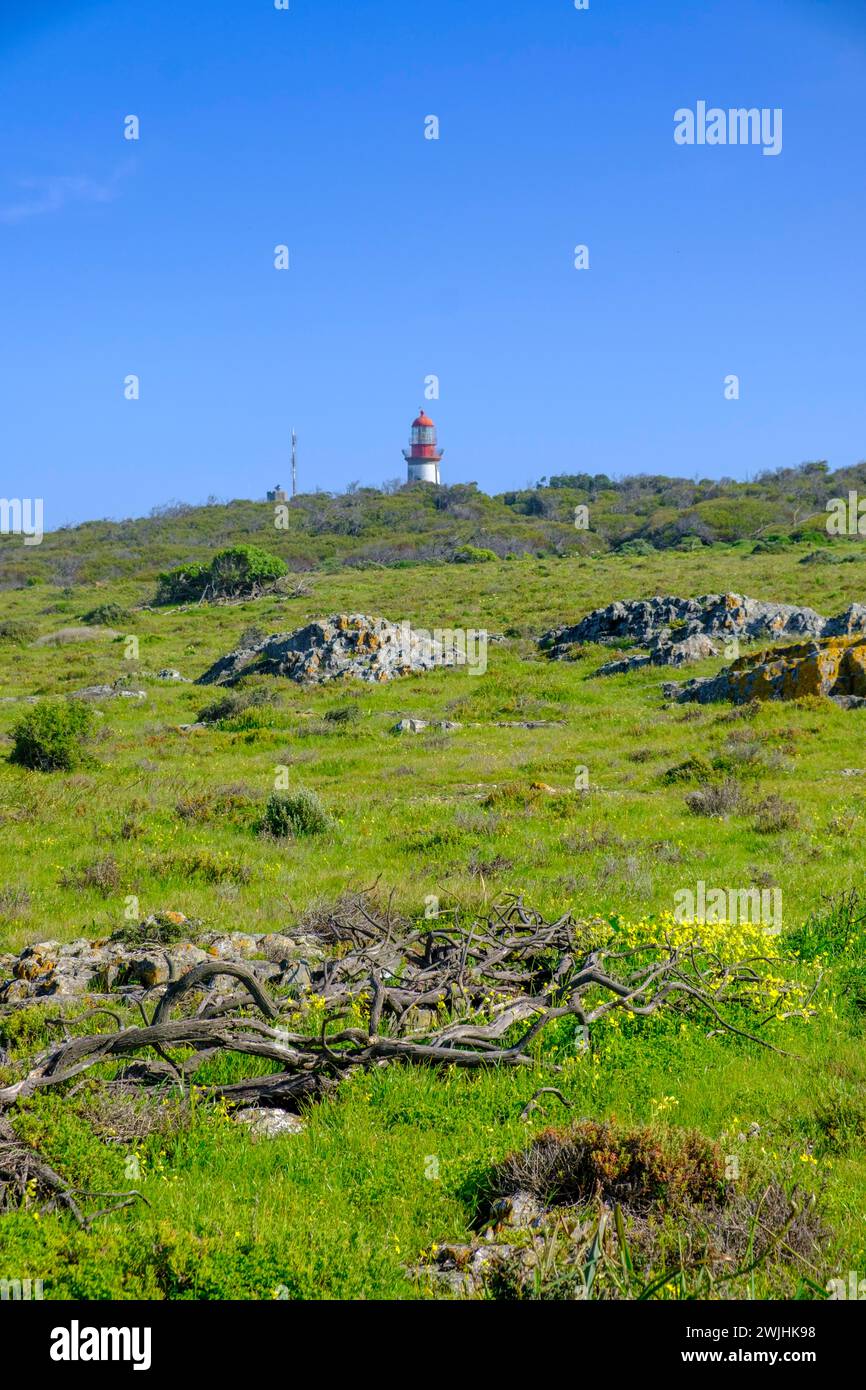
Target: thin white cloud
[(52, 194)]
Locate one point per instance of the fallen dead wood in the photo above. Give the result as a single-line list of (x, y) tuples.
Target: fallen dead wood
[(439, 994)]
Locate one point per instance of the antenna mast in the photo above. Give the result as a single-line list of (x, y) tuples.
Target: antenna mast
[(294, 463)]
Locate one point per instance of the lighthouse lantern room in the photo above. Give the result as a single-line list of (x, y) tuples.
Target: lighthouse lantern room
[(423, 455)]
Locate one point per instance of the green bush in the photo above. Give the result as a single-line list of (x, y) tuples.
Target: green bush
[(695, 769), (16, 632), (182, 585), (295, 813), (239, 570), (106, 615), (343, 714), (473, 555), (637, 547), (235, 702), (52, 736)]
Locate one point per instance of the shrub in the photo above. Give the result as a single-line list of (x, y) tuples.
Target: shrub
[(235, 702), (692, 770), (514, 795), (741, 757), (106, 615), (239, 570), (822, 557), (102, 874), (343, 714), (636, 1168), (636, 547), (225, 803), (717, 799), (14, 902), (160, 929), (295, 813), (201, 864), (183, 584), (52, 736), (16, 632), (774, 814), (473, 555), (839, 1118)]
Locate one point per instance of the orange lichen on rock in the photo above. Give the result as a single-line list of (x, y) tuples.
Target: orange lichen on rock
[(833, 667)]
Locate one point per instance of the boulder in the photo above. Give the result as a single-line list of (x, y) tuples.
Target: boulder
[(346, 645), (677, 631), (833, 666), (236, 945), (269, 1123)]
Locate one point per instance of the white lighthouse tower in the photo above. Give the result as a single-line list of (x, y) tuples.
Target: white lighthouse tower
[(423, 455)]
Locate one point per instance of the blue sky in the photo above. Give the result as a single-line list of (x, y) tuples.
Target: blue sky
[(412, 257)]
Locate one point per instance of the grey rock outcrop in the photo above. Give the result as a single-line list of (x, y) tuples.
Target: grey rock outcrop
[(664, 652), (345, 645), (676, 631)]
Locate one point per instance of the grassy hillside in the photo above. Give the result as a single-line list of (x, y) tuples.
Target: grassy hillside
[(419, 524), (169, 816)]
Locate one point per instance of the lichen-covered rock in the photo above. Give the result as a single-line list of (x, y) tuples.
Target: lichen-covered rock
[(277, 947), (269, 1123), (157, 966), (48, 969), (664, 652), (672, 628), (236, 945), (345, 645), (834, 666)]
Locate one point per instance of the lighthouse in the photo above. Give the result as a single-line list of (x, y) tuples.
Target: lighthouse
[(423, 455)]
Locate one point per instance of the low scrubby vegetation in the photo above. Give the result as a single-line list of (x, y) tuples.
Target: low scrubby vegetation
[(395, 525), (164, 841)]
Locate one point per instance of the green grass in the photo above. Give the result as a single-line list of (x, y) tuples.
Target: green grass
[(338, 1211)]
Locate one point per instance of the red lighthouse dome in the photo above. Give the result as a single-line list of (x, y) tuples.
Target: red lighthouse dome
[(423, 454)]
